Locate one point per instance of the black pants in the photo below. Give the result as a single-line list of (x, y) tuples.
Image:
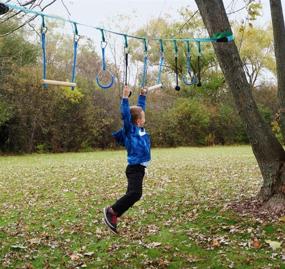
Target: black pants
[(135, 174)]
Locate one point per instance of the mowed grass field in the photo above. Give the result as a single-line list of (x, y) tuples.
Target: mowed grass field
[(51, 212)]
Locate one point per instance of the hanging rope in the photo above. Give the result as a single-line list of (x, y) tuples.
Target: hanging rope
[(177, 87), (126, 50), (145, 62), (193, 78), (104, 70), (161, 62)]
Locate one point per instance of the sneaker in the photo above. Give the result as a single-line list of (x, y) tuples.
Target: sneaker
[(110, 220)]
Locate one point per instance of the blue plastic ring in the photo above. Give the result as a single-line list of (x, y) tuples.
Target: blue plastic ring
[(194, 80), (105, 86)]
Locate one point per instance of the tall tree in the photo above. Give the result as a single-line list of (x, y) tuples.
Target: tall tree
[(266, 148), (279, 48)]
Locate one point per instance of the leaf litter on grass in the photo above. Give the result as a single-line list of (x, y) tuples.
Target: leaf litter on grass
[(52, 206)]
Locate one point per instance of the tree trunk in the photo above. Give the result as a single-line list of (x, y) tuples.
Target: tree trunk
[(266, 148), (279, 48)]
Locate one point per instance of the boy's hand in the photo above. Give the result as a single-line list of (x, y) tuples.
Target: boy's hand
[(143, 92), (126, 92)]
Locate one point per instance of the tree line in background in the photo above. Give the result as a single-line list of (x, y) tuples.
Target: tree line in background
[(33, 119)]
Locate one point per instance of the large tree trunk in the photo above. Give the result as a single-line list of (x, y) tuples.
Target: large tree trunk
[(279, 48), (266, 148)]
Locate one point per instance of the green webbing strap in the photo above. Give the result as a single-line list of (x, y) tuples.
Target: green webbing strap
[(175, 48), (145, 45), (217, 37), (161, 46), (223, 36), (103, 36)]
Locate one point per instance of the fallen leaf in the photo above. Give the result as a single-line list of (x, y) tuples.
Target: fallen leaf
[(89, 254), (255, 243), (74, 256), (215, 243), (273, 244), (18, 247), (153, 245), (35, 241)]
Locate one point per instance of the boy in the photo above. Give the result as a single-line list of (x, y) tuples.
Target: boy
[(137, 142)]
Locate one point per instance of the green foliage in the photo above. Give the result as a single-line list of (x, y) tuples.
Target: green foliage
[(74, 96), (266, 113), (256, 51), (226, 126), (5, 112), (277, 130), (188, 121), (254, 10)]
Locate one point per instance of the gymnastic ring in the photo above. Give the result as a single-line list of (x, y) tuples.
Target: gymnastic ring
[(194, 80), (105, 86)]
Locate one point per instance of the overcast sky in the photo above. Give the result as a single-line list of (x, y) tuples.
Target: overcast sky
[(99, 13)]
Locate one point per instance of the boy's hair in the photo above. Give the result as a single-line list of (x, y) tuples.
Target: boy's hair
[(136, 113)]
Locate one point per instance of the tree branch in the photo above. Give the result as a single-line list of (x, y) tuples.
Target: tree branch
[(29, 20)]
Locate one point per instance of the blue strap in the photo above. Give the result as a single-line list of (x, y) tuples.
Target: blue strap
[(43, 36), (103, 59), (75, 46), (161, 62), (193, 78), (144, 77)]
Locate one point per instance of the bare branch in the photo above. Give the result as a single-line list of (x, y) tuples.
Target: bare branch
[(29, 20), (67, 10)]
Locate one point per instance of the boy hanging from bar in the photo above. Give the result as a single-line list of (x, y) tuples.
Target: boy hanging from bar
[(137, 142)]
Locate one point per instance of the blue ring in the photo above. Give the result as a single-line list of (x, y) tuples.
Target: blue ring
[(105, 86), (194, 80)]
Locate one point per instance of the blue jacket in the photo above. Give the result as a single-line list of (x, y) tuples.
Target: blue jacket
[(132, 137)]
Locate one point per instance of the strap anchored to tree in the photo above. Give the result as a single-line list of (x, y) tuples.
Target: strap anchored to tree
[(223, 36)]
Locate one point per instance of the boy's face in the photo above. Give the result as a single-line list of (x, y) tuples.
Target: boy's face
[(141, 121)]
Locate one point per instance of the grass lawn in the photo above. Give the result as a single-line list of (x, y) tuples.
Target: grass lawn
[(51, 212)]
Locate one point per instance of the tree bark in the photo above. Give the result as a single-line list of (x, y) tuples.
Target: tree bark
[(266, 148), (279, 48)]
